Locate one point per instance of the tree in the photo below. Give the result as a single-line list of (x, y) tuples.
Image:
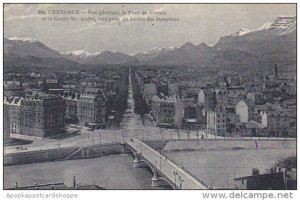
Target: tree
[(188, 132), (177, 131), (288, 163)]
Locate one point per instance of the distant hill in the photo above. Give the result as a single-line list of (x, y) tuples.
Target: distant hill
[(273, 42)]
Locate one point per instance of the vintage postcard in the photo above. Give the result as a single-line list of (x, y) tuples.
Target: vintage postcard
[(149, 96)]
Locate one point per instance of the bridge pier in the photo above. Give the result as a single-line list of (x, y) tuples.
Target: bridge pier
[(166, 174), (123, 149), (136, 162), (155, 180)]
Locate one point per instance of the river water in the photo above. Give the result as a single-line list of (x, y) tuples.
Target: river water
[(214, 168), (111, 172)]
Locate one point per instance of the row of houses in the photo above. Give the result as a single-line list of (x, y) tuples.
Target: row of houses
[(174, 112), (18, 86), (249, 119), (39, 115), (44, 115), (86, 109), (222, 109)]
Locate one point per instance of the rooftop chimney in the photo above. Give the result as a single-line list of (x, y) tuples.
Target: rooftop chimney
[(255, 172)]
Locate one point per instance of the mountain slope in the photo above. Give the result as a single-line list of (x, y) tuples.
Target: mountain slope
[(15, 62), (187, 54), (108, 57), (273, 42), (29, 47), (24, 47), (275, 37)]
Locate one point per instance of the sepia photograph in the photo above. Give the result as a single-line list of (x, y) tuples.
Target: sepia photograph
[(149, 96)]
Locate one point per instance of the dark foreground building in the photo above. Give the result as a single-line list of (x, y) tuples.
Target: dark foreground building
[(39, 115), (275, 180), (42, 115)]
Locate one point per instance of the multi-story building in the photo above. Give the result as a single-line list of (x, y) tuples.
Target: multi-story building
[(148, 91), (229, 96), (221, 95), (246, 110), (172, 89), (90, 82), (111, 85), (42, 115), (6, 122), (256, 97), (91, 110), (162, 87), (13, 90), (147, 87), (279, 123), (72, 102), (11, 109), (216, 121), (167, 111), (207, 98), (190, 120), (231, 90), (242, 110)]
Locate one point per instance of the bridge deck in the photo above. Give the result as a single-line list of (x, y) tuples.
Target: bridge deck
[(169, 169)]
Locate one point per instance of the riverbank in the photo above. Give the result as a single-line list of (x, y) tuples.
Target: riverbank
[(220, 144), (57, 154)]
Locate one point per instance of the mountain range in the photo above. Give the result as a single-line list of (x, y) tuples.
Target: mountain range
[(272, 42)]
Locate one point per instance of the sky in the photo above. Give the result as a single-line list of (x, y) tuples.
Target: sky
[(195, 23)]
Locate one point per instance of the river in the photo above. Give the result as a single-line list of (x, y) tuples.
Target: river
[(111, 172)]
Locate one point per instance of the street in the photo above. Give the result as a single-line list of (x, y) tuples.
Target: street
[(131, 127)]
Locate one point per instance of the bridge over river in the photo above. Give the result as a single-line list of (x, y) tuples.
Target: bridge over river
[(163, 169)]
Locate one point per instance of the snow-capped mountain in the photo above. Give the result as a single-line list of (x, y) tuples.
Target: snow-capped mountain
[(29, 53), (149, 55), (26, 39), (106, 57), (157, 50), (282, 25), (268, 43), (283, 28), (241, 32), (244, 31), (265, 26), (24, 47), (79, 54), (188, 53)]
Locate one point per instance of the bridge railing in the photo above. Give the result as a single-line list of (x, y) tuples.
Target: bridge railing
[(180, 177)]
